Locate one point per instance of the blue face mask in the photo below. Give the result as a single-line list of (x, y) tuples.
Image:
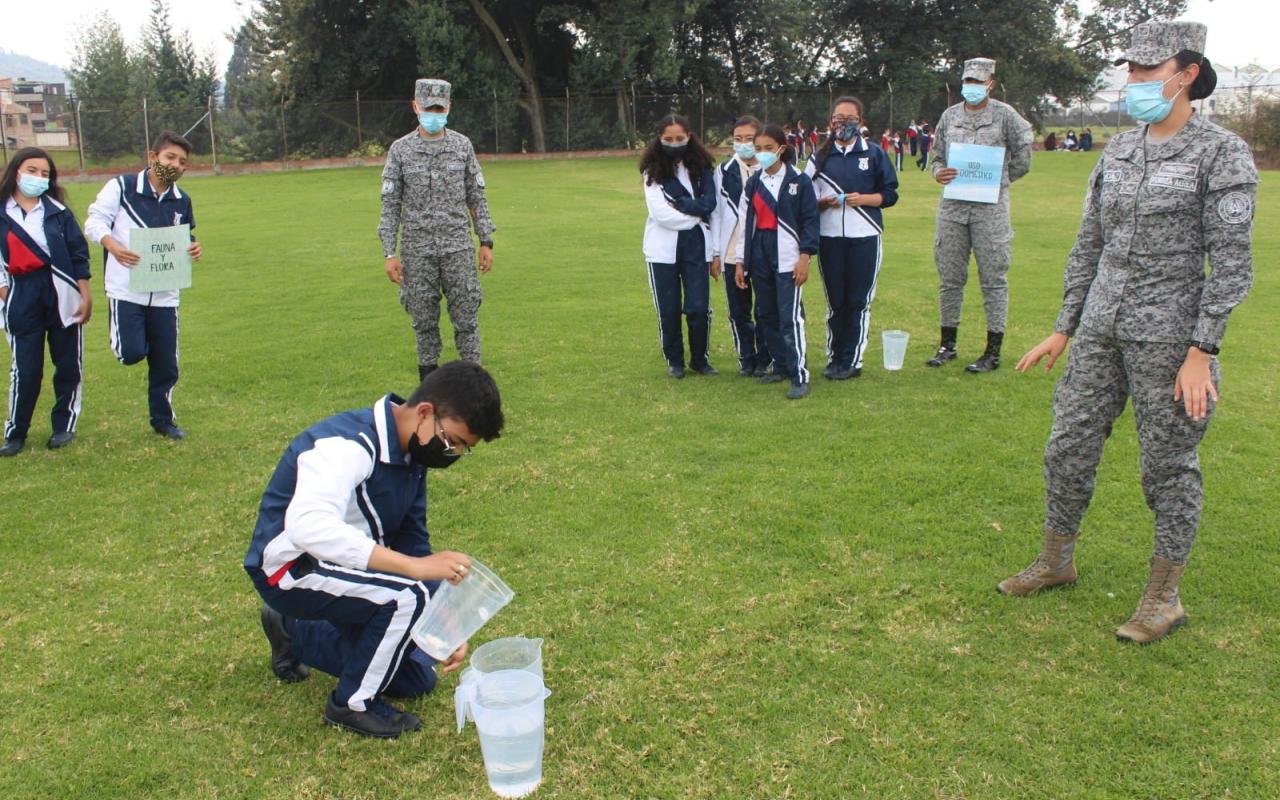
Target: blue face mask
[(32, 186), (1146, 102), (767, 159), (974, 93), (433, 121), (745, 150)]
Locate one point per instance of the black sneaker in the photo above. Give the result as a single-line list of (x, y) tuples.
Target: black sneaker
[(59, 440), (797, 391), (941, 357), (845, 373), (707, 370), (170, 431), (771, 377), (283, 664), (12, 447), (747, 371), (830, 372), (380, 719), (675, 372)]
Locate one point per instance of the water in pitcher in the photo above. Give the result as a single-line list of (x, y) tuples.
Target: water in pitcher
[(512, 750)]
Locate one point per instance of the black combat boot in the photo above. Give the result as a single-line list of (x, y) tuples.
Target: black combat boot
[(946, 350), (989, 360)]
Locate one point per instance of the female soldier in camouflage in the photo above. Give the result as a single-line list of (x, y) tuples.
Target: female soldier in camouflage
[(1147, 320)]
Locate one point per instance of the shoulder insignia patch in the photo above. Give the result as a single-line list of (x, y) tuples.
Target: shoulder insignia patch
[(1235, 208)]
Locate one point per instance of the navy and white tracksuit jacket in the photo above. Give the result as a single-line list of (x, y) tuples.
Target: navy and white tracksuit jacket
[(851, 248), (781, 213), (43, 256), (341, 487), (143, 325), (678, 244), (726, 228)]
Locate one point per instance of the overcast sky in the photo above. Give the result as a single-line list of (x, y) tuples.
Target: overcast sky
[(1240, 31)]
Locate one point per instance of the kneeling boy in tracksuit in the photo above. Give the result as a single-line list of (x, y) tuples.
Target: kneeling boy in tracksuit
[(781, 230), (145, 325), (341, 553), (726, 227)]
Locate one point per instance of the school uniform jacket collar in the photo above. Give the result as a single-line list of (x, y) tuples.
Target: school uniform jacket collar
[(384, 422)]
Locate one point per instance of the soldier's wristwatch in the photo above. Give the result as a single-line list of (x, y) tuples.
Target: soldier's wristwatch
[(1205, 348)]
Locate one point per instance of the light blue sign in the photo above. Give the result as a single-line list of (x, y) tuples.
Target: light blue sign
[(980, 169)]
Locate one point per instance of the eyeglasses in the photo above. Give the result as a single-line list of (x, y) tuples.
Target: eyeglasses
[(845, 121), (450, 449)]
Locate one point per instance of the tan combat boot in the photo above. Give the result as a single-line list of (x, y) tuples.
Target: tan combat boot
[(1053, 567), (1160, 610)]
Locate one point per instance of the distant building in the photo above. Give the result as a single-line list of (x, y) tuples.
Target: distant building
[(36, 113)]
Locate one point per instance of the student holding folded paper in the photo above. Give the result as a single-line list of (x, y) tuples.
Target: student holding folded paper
[(145, 324), (341, 555), (965, 226), (44, 295)]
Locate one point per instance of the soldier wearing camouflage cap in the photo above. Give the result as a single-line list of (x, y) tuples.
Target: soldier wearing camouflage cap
[(432, 195), (1146, 320), (981, 228)]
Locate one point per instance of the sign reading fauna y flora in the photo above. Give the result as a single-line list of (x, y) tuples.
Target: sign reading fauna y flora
[(165, 263)]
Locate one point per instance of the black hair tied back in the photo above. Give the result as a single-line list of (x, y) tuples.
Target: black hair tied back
[(1206, 81)]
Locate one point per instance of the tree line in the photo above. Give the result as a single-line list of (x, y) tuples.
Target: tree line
[(512, 63)]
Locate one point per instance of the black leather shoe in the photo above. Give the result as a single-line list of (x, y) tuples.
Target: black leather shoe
[(675, 372), (941, 357), (380, 720), (170, 431), (771, 377), (845, 373), (985, 363), (60, 440), (12, 447), (283, 664), (829, 372), (707, 370), (797, 391)]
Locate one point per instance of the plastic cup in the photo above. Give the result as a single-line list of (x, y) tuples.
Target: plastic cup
[(455, 613), (510, 716), (895, 349)]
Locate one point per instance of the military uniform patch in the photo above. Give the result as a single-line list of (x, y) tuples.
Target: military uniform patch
[(1235, 208), (388, 187)]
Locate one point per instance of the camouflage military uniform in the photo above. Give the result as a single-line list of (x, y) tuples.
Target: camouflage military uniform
[(430, 190), (1136, 296), (981, 227)]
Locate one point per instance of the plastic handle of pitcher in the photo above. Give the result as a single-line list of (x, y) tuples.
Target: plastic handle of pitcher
[(464, 696)]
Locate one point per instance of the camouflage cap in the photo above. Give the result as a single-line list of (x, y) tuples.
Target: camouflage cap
[(1154, 43), (431, 92), (980, 69)]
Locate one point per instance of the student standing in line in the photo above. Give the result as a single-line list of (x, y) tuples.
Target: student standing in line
[(1144, 320), (853, 180), (44, 295), (145, 324), (925, 140), (781, 229), (897, 151), (680, 192), (727, 227)]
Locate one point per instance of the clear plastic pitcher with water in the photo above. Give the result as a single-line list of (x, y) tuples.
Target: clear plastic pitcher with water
[(455, 613), (512, 652), (510, 717), (895, 349)]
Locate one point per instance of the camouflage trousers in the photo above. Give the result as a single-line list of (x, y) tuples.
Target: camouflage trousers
[(991, 242), (1101, 375), (427, 276)]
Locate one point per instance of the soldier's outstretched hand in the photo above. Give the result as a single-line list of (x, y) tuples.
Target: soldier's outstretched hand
[(1052, 347), (1194, 384), (393, 269)]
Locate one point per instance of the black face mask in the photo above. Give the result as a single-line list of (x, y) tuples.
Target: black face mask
[(674, 150), (430, 455)]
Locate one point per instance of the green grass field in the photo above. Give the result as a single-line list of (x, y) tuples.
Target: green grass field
[(742, 597)]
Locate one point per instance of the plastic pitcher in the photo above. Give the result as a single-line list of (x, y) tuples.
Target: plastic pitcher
[(513, 652), (455, 613), (510, 718), (895, 348)]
